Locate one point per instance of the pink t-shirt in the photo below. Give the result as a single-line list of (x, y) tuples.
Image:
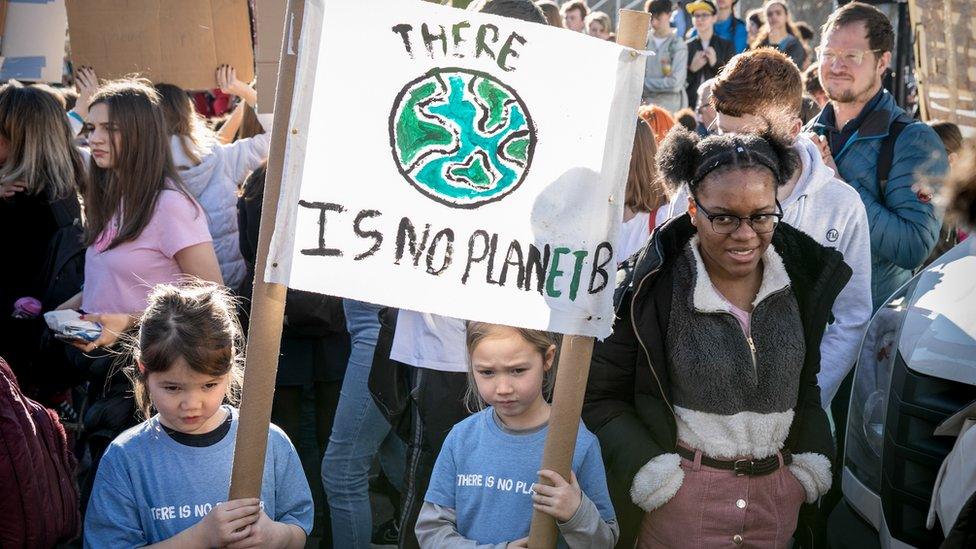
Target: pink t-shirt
[(119, 280), (744, 317)]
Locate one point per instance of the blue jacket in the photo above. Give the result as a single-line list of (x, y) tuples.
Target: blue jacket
[(903, 228)]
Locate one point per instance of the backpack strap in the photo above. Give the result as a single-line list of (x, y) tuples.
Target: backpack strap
[(886, 155), (651, 218)]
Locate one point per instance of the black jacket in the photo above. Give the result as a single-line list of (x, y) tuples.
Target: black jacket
[(627, 402), (724, 50), (307, 314)]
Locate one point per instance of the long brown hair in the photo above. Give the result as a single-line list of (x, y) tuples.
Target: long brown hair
[(763, 35), (644, 191), (551, 10), (193, 321), (250, 125), (182, 120), (41, 151), (143, 167)]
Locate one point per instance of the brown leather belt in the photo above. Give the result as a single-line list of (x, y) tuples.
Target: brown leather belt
[(747, 467)]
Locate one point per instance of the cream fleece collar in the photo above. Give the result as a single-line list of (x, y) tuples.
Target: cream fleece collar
[(706, 298)]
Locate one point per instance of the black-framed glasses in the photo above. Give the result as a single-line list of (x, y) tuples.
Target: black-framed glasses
[(728, 223)]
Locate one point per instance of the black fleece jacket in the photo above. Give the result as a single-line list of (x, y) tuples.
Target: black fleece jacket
[(628, 399)]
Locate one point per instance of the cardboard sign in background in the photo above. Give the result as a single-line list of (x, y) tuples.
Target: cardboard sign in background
[(344, 151), (174, 41), (33, 41), (270, 20)]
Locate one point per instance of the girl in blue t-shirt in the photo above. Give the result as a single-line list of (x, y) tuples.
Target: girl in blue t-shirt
[(164, 482), (482, 490)]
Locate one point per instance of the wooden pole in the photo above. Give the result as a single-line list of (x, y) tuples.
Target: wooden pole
[(3, 18), (567, 403), (574, 356), (268, 300)]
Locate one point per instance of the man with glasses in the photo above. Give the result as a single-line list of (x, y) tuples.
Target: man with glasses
[(707, 53), (729, 27), (854, 128), (704, 111)]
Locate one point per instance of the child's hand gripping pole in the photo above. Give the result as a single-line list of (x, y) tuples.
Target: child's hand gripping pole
[(567, 402), (574, 355)]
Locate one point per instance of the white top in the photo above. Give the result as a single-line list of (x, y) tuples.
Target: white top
[(632, 236), (430, 341)]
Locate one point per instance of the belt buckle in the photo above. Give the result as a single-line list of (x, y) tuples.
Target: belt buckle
[(743, 467)]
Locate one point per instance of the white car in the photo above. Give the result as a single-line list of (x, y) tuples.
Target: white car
[(916, 367)]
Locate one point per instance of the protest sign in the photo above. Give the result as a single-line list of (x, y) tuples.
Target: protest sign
[(175, 41), (267, 299), (33, 41), (270, 21), (457, 163)]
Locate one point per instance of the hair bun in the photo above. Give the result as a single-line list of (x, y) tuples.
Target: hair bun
[(678, 157)]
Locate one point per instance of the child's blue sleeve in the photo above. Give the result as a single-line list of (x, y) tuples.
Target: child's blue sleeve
[(112, 518), (592, 478), (443, 479), (293, 498)]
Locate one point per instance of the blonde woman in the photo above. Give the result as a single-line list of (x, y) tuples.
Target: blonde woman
[(40, 173)]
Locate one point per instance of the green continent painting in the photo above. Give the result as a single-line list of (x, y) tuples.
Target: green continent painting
[(461, 137)]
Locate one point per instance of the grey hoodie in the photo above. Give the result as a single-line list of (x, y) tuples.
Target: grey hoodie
[(666, 90), (214, 182)]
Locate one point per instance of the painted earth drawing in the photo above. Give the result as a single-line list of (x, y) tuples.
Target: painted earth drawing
[(461, 137)]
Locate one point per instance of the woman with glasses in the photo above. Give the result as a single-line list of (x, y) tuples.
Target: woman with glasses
[(707, 52), (705, 398)]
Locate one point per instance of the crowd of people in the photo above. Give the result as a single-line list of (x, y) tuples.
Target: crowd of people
[(761, 229)]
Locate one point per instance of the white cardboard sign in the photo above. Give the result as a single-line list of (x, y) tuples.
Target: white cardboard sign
[(450, 162), (33, 41)]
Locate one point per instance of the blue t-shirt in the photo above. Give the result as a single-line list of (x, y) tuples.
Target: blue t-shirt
[(149, 487), (486, 475)]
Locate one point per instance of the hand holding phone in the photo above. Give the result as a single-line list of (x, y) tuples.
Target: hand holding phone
[(68, 325)]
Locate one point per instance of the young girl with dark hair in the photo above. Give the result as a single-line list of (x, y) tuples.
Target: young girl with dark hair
[(482, 488), (142, 228), (705, 398), (163, 483)]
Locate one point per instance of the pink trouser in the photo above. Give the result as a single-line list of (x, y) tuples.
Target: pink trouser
[(716, 508)]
